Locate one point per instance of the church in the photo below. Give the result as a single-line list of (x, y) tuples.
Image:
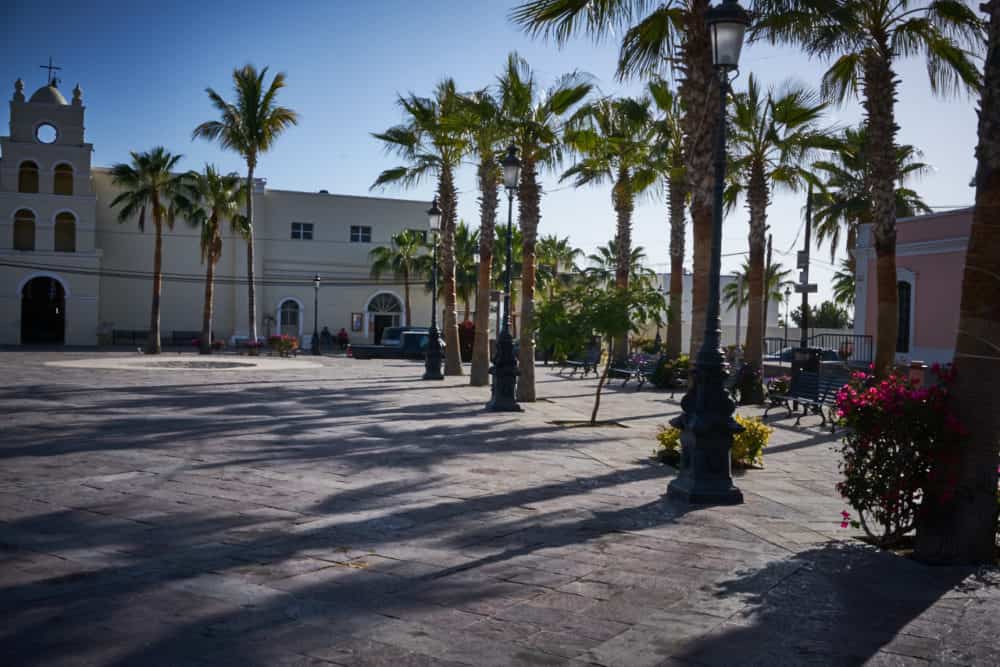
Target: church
[(72, 274)]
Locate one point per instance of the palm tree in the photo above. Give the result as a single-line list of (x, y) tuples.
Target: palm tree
[(845, 199), (604, 264), (249, 126), (534, 117), (431, 142), (864, 40), (672, 35), (209, 200), (963, 529), (735, 295), (466, 268), (148, 183), (670, 146), (843, 284), (556, 260), (402, 258), (772, 136), (482, 119)]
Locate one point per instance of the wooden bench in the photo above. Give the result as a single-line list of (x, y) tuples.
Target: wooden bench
[(640, 369), (588, 364), (815, 392), (130, 336)]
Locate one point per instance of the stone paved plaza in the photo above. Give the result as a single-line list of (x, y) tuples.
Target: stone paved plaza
[(345, 512)]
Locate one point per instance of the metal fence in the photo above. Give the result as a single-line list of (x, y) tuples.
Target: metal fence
[(853, 348)]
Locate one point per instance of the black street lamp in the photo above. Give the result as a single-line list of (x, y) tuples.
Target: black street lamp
[(315, 339), (788, 308), (432, 363), (505, 371), (707, 421)]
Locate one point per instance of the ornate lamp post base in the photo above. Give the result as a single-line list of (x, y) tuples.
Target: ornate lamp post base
[(505, 373), (432, 364), (704, 478)]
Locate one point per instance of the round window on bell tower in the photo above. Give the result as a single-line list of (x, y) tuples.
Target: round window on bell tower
[(46, 133)]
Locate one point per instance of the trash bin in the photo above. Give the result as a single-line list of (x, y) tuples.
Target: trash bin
[(806, 359)]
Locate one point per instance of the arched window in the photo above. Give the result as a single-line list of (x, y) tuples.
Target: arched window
[(904, 294), (65, 233), (27, 177), (24, 230), (288, 318), (62, 183), (384, 311)]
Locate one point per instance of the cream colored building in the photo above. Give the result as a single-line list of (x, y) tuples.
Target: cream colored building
[(71, 273)]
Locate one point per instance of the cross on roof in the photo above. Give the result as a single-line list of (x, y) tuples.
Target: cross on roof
[(51, 68)]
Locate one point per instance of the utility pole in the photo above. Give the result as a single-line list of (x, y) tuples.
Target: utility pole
[(767, 289), (804, 286)]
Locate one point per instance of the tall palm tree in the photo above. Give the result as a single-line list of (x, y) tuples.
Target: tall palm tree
[(534, 116), (671, 34), (604, 264), (963, 529), (482, 118), (402, 258), (773, 134), (250, 126), (432, 142), (865, 39), (208, 201), (844, 199), (148, 183), (556, 260), (844, 284), (670, 146)]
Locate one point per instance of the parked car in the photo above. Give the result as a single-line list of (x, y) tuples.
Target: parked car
[(397, 343), (787, 353)]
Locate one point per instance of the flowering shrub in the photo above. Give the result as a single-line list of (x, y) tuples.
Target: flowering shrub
[(748, 445), (899, 435), (779, 385), (669, 372), (283, 344)]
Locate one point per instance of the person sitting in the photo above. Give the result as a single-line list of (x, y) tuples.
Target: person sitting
[(342, 338)]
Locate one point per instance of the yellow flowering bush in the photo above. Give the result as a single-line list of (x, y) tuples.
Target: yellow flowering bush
[(748, 445), (669, 448)]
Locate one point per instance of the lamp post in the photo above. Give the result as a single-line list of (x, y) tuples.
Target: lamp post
[(707, 419), (505, 371), (432, 363), (788, 308), (315, 339)]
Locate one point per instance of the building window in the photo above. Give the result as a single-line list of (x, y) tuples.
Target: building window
[(420, 234), (62, 182), (904, 291), (302, 230), (24, 230), (65, 233), (27, 177), (361, 234)]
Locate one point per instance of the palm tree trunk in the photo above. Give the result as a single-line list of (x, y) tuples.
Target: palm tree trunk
[(674, 314), (963, 530), (621, 196), (751, 390), (205, 343), (488, 192), (880, 97), (699, 90), (153, 345), (528, 205), (448, 199), (406, 294), (251, 291)]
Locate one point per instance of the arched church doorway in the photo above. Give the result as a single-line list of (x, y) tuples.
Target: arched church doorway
[(43, 311), (384, 311)]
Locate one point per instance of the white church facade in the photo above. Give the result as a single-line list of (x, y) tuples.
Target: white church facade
[(71, 273)]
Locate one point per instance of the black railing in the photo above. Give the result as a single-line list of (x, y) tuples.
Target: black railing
[(852, 348), (774, 346)]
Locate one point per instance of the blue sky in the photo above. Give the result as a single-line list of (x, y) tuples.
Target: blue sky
[(143, 68)]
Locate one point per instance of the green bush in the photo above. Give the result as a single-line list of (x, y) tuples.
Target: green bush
[(748, 445), (668, 449), (669, 372)]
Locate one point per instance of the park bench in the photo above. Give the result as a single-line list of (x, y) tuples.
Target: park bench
[(588, 364), (640, 369), (130, 336), (815, 392)]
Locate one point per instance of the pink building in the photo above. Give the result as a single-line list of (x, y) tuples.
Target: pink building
[(930, 261)]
